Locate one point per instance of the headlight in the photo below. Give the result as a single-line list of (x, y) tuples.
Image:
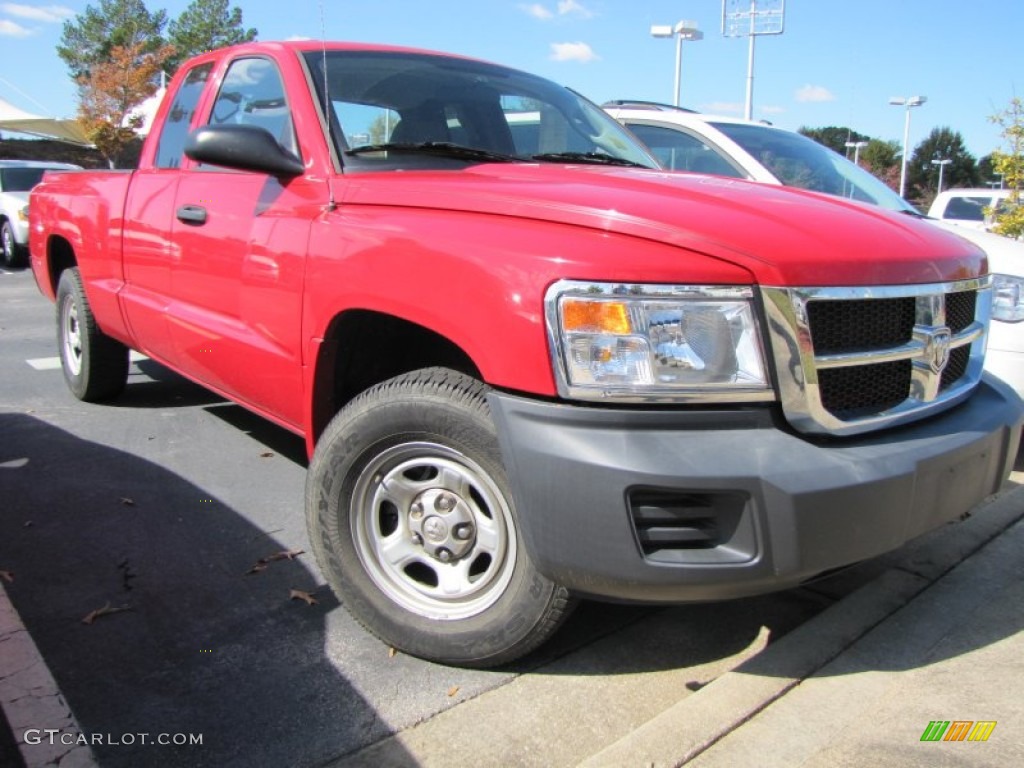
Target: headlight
[(651, 342), (1008, 299)]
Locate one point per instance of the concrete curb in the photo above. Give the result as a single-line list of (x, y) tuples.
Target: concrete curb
[(696, 723), (31, 700)]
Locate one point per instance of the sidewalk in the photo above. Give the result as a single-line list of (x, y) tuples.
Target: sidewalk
[(939, 637), (30, 699)]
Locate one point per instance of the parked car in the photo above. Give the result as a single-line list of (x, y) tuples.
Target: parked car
[(17, 177), (685, 140), (969, 207)]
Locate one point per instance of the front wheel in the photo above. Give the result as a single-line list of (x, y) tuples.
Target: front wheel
[(11, 254), (413, 525), (95, 366)]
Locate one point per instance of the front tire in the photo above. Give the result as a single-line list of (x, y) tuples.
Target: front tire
[(413, 525), (95, 366), (11, 254)]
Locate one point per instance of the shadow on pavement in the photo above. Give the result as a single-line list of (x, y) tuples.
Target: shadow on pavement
[(193, 644)]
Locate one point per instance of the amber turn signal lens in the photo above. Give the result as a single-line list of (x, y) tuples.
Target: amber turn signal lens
[(582, 316)]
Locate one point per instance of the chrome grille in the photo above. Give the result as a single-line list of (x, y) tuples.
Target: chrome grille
[(851, 360)]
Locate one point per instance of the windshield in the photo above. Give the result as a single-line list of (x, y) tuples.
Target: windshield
[(20, 179), (798, 161), (385, 106)]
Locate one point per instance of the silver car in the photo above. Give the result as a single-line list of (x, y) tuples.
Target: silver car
[(17, 177)]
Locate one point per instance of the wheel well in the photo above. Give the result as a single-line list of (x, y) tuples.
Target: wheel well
[(363, 348), (60, 256)]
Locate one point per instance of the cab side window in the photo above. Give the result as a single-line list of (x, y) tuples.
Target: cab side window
[(253, 94), (171, 146)]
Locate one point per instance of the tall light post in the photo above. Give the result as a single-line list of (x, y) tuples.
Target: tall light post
[(744, 18), (683, 30), (908, 102), (942, 163), (856, 147)]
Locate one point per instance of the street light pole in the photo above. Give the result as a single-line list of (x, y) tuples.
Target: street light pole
[(683, 30), (908, 102), (856, 146), (942, 166)]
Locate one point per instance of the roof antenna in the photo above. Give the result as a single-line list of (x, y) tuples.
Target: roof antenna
[(331, 204)]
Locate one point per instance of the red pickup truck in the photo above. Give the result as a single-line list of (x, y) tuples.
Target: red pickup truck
[(528, 364)]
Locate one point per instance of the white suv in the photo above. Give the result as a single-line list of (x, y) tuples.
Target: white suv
[(688, 141), (968, 207), (17, 177)]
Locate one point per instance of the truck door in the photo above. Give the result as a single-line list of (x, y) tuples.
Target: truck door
[(235, 315), (150, 253)]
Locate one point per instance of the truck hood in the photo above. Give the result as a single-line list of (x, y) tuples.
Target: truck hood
[(781, 235)]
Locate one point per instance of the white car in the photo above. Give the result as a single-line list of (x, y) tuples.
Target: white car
[(967, 207), (17, 177), (688, 141)]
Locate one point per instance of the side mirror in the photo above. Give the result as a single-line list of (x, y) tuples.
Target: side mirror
[(242, 147)]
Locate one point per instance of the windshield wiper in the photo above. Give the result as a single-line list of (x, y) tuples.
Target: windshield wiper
[(597, 158), (441, 148)]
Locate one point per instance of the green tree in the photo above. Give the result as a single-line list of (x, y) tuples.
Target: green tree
[(986, 170), (882, 158), (834, 137), (89, 38), (923, 175), (204, 26), (1011, 165)]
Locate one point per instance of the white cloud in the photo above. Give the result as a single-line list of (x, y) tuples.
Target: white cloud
[(573, 52), (537, 10), (46, 13), (814, 93), (566, 7), (723, 108), (562, 8), (10, 29)]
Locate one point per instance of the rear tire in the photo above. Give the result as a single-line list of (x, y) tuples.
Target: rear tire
[(95, 366), (413, 525)]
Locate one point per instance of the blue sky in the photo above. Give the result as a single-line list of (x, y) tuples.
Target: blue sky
[(837, 63)]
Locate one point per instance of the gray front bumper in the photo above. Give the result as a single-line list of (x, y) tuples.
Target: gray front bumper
[(775, 508)]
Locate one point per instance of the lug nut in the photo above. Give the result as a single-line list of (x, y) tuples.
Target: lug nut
[(417, 540), (464, 531), (444, 502), (416, 510), (444, 555)]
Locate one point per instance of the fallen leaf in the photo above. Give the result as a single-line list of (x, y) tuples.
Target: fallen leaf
[(7, 576), (452, 691), (298, 594), (391, 653), (266, 455), (127, 502), (290, 554), (263, 562), (106, 610)]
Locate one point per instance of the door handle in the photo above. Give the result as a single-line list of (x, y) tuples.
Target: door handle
[(192, 214)]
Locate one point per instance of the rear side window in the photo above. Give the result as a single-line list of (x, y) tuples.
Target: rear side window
[(171, 147), (967, 208)]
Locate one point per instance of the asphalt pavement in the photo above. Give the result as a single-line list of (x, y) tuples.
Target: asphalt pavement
[(170, 507)]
